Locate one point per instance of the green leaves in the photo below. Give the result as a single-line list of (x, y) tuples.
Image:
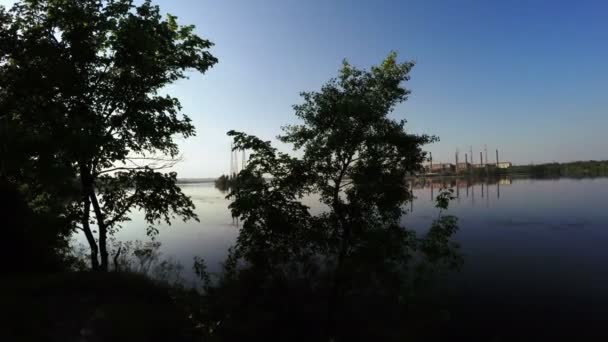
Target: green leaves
[(94, 69), (353, 261), (347, 135), (155, 194), (266, 196), (80, 83), (356, 159)]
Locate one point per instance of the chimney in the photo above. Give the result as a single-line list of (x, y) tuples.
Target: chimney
[(496, 157), (471, 150), (485, 149), (480, 158)]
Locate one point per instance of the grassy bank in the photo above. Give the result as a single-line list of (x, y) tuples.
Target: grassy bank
[(86, 306)]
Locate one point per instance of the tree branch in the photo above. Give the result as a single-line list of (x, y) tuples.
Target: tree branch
[(152, 166), (52, 36), (346, 184), (127, 207)]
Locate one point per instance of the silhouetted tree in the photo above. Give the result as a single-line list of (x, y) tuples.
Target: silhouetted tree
[(85, 78), (346, 263), (36, 231)]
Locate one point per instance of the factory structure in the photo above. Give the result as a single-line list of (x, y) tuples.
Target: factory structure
[(468, 165)]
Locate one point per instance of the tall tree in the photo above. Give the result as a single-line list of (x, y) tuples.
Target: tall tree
[(85, 80), (357, 159)]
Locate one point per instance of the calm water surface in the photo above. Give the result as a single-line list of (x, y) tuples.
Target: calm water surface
[(520, 237)]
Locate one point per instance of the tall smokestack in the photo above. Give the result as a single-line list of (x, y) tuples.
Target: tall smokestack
[(471, 150), (496, 157), (466, 159), (480, 158), (485, 149), (431, 158)]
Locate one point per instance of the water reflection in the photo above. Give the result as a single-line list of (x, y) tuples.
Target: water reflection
[(465, 185), (550, 232), (530, 243), (546, 203)]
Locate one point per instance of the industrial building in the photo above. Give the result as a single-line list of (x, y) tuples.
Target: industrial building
[(440, 168), (463, 166), (459, 167)]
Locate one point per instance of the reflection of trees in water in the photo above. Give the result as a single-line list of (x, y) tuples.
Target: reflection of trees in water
[(455, 182), (224, 183)]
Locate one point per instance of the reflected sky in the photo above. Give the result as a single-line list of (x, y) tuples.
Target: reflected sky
[(539, 239), (552, 233)]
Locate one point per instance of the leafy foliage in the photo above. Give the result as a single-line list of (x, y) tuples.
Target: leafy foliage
[(82, 88), (152, 191), (36, 232), (352, 262)]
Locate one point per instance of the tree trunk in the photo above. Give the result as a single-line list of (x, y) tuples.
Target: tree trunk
[(335, 293), (89, 235), (116, 256), (335, 300), (103, 231), (85, 183)]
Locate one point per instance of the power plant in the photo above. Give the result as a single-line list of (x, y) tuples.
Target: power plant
[(459, 167), (234, 161)]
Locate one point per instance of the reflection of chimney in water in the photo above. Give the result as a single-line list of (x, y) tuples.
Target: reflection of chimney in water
[(487, 192), (473, 192)]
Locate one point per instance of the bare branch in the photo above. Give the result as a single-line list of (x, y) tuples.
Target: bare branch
[(346, 184), (146, 167), (155, 164), (120, 169), (178, 159)]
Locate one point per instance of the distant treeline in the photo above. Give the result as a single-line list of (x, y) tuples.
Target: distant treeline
[(574, 169), (590, 168), (224, 183)]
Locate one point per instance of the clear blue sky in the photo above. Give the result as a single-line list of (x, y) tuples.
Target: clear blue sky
[(528, 77)]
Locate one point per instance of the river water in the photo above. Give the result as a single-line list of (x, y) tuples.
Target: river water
[(521, 238)]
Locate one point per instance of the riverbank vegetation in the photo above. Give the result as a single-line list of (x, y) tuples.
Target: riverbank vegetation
[(290, 274), (80, 85), (354, 262), (577, 169)]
